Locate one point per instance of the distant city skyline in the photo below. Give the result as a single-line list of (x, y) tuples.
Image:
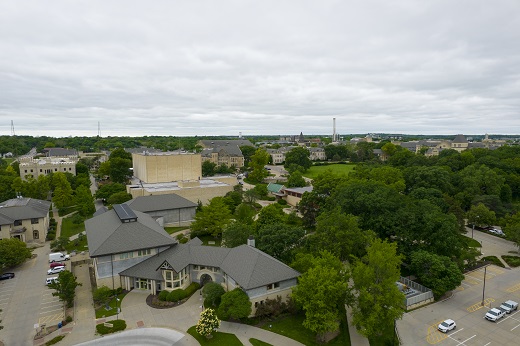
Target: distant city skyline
[(207, 68)]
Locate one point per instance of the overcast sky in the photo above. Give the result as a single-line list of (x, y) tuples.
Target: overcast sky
[(186, 68)]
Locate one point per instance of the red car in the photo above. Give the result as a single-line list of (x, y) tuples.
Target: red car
[(56, 264)]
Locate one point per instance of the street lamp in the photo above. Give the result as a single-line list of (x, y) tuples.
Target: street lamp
[(484, 287), (117, 307)]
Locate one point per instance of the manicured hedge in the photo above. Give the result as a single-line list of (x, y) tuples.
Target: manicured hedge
[(176, 295), (512, 261), (192, 288), (163, 295), (118, 325)]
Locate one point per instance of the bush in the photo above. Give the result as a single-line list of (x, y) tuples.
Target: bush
[(192, 288), (102, 295), (271, 308), (118, 325), (494, 260), (257, 205), (270, 198), (54, 340), (282, 202), (51, 235), (68, 319), (176, 295), (512, 261), (163, 295)]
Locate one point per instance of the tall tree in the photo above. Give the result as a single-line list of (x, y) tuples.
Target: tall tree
[(479, 215), (378, 302), (234, 304), (13, 252), (296, 180), (208, 323), (212, 219), (120, 170), (298, 159), (278, 240), (65, 287), (257, 165), (84, 201), (322, 292), (236, 234), (439, 273), (63, 197)]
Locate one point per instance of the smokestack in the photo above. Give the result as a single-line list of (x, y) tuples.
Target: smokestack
[(334, 130)]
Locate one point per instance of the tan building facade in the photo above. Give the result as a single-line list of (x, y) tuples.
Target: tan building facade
[(26, 219), (166, 167), (45, 165)]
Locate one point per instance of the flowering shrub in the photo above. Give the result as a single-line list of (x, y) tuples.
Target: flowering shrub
[(208, 323)]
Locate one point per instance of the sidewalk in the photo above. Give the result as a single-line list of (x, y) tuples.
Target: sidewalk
[(356, 339)]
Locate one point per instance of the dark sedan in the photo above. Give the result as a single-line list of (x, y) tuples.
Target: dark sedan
[(6, 276)]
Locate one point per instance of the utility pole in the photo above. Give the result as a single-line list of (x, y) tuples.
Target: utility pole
[(484, 287)]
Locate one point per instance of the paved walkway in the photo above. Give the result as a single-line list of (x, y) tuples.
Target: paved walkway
[(493, 245)]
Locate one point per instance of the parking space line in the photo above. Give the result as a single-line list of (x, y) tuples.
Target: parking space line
[(487, 343), (513, 288), (477, 306), (510, 316), (46, 312), (460, 342), (471, 281), (495, 269), (47, 319)]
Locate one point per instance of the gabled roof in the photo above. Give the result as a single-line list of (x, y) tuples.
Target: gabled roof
[(23, 209), (107, 234), (60, 152), (160, 202), (231, 147), (299, 189), (248, 266)]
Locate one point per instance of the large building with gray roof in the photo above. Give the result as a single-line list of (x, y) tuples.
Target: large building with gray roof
[(130, 250), (224, 151), (168, 210), (26, 219)]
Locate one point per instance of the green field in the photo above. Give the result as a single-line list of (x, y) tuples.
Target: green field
[(314, 171)]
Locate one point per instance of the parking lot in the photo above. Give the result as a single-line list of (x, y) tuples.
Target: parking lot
[(467, 307), (27, 302)]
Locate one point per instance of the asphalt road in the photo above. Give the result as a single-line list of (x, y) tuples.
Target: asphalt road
[(493, 245)]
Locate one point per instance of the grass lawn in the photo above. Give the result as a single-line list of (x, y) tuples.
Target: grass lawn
[(68, 228), (256, 342), (77, 245), (292, 327), (112, 312), (173, 230), (472, 242), (494, 260), (222, 339), (314, 171), (512, 261)]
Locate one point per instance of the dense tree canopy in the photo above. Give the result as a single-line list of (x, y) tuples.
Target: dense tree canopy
[(13, 252), (212, 219)]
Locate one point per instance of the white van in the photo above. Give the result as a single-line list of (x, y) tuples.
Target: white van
[(58, 257), (50, 280)]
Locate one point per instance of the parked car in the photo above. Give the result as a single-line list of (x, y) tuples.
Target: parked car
[(447, 326), (509, 306), (50, 280), (57, 257), (6, 276), (497, 231), (56, 264), (495, 314), (55, 270)]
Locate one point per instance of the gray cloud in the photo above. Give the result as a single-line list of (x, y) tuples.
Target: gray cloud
[(269, 67)]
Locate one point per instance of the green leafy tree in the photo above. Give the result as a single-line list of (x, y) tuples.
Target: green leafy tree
[(63, 194), (212, 219), (512, 228), (378, 302), (208, 168), (234, 305), (479, 215), (298, 159), (268, 215), (84, 201), (296, 180), (65, 287), (439, 273), (212, 293), (107, 190), (119, 198), (340, 234), (257, 165), (248, 151), (261, 190), (322, 292), (120, 169), (208, 323), (236, 234), (279, 240), (13, 252), (120, 153), (102, 295), (244, 213), (60, 243)]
